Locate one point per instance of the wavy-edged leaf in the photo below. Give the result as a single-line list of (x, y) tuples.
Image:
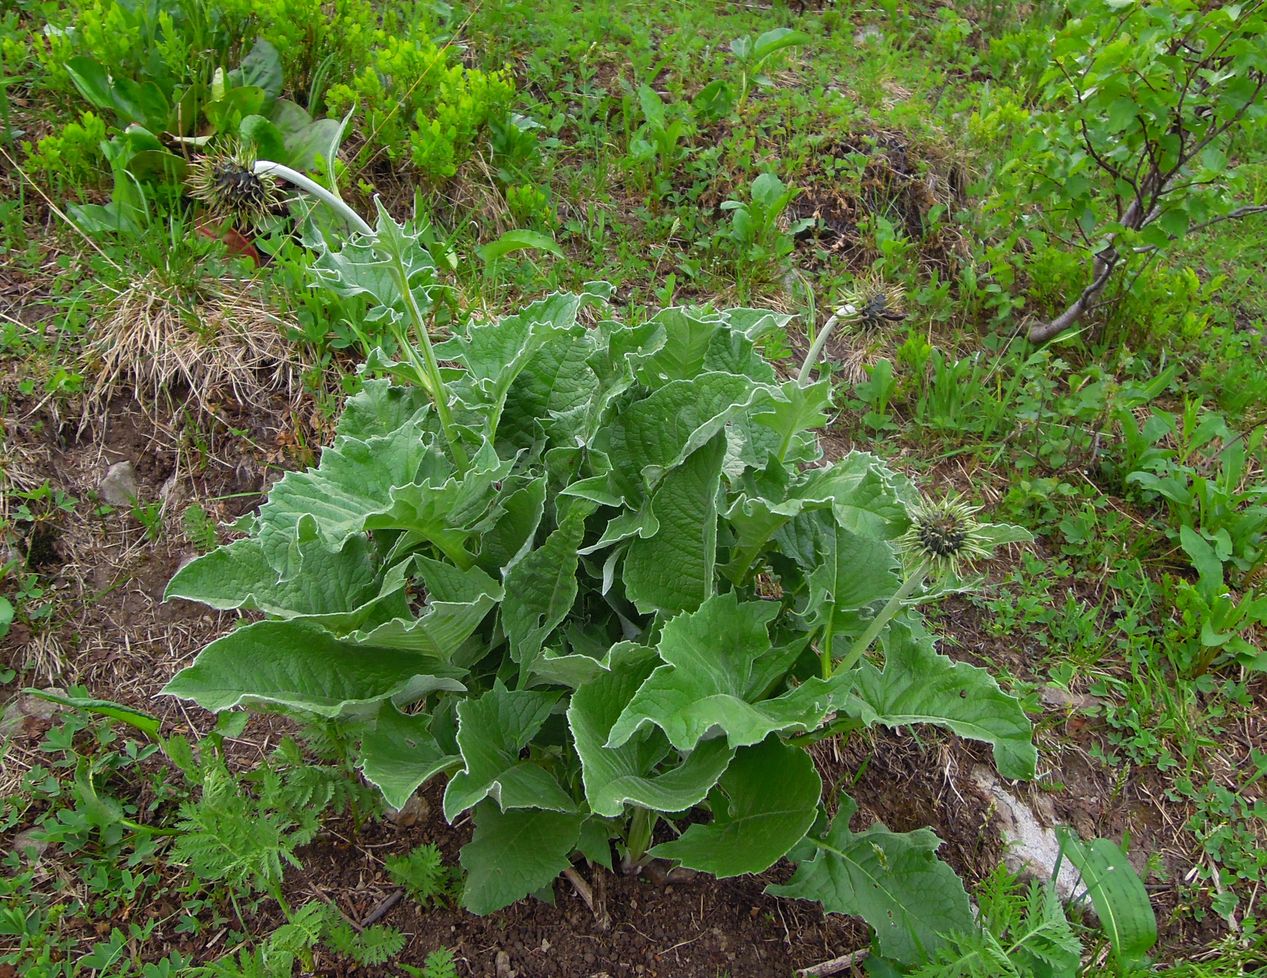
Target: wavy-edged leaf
[(763, 806), (353, 482), (492, 730), (339, 589), (617, 776), (919, 685), (457, 601), (672, 570), (302, 666), (399, 754), (541, 588), (719, 667), (514, 854), (658, 432), (854, 571), (893, 880)]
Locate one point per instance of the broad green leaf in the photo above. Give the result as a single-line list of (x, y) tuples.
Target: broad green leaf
[(147, 723), (656, 433), (496, 354), (892, 880), (445, 512), (301, 666), (1116, 891), (595, 843), (734, 351), (799, 408), (673, 569), (510, 537), (353, 482), (492, 730), (541, 588), (457, 601), (719, 661), (617, 776), (263, 137), (688, 334), (362, 266), (555, 386), (381, 408), (777, 39), (861, 498), (763, 806), (518, 240), (514, 854), (398, 754), (918, 685), (854, 571), (92, 80), (338, 589), (261, 68), (863, 495)]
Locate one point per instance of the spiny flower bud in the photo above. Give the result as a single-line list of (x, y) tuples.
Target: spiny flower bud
[(228, 184), (944, 535), (872, 302)]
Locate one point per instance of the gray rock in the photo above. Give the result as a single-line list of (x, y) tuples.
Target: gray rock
[(30, 845), (1032, 847), (119, 487), (414, 810), (26, 705), (1059, 698)]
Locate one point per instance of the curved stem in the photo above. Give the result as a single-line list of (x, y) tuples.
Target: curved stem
[(439, 395), (268, 168), (428, 369), (816, 351), (883, 618)]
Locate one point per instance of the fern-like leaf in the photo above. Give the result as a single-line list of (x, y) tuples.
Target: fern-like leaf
[(440, 963), (373, 946), (423, 874)]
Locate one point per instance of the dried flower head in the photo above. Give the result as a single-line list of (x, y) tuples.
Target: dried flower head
[(872, 302), (944, 535), (227, 183)]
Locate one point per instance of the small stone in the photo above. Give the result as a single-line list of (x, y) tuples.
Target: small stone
[(30, 845), (413, 811), (119, 487), (502, 961), (1059, 698), (28, 706)]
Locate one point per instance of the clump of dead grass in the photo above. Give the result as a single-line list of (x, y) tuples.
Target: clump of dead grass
[(159, 343)]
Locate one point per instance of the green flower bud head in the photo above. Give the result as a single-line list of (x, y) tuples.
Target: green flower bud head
[(945, 536)]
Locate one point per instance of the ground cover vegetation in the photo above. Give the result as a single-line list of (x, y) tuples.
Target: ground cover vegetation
[(632, 488)]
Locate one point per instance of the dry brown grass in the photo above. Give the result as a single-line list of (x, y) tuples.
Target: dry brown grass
[(157, 343)]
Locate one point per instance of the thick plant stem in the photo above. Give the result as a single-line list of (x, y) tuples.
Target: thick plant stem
[(886, 614), (430, 366), (824, 653), (265, 168), (816, 351), (641, 825)]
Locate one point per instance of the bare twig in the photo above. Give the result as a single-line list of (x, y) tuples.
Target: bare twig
[(833, 967), (381, 911)]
